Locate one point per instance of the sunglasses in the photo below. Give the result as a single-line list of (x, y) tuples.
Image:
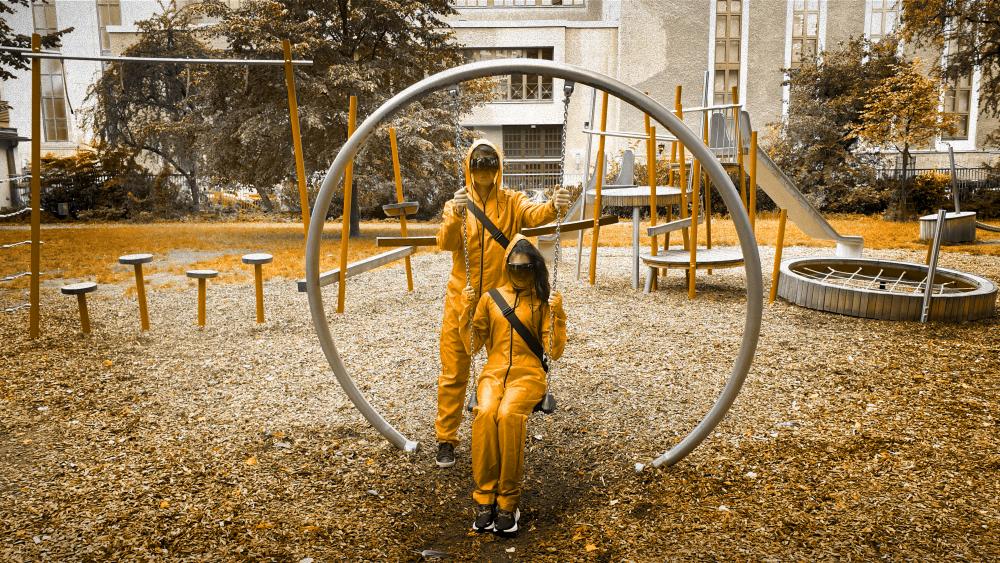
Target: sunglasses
[(484, 163), (521, 267)]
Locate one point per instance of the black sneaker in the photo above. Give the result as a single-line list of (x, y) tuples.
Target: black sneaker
[(485, 513), (445, 455), (506, 521)]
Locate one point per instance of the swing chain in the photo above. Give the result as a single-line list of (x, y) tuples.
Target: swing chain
[(567, 92), (465, 241)]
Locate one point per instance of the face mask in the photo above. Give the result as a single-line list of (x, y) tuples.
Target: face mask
[(521, 277)]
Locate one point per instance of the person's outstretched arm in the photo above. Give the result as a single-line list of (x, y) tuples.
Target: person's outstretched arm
[(449, 235), (480, 321), (558, 330)]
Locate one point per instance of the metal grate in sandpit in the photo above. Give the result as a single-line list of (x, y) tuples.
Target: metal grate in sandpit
[(883, 289)]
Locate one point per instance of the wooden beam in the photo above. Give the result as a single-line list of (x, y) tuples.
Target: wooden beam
[(570, 226), (360, 267), (392, 242), (400, 204), (345, 218), (595, 235), (671, 226), (293, 116)]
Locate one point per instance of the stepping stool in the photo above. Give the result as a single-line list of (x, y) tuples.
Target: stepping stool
[(258, 260), (81, 290), (138, 260), (202, 277)]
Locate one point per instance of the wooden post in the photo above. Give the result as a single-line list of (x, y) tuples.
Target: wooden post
[(81, 299), (293, 116), (140, 295), (34, 317), (651, 176), (598, 184), (778, 247), (202, 283), (345, 228), (682, 169), (258, 282), (399, 199), (739, 147), (753, 181), (695, 195)]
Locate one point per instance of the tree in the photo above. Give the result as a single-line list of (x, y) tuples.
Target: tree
[(816, 145), (371, 49), (157, 110), (971, 31), (13, 61), (903, 111)]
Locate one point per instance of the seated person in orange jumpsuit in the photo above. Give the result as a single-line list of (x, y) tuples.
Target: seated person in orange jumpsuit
[(509, 211), (513, 380)]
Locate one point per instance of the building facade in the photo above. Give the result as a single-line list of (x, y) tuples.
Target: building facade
[(653, 45)]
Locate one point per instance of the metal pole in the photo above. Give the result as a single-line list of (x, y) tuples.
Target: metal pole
[(752, 205), (682, 169), (293, 116), (925, 310), (708, 183), (954, 178), (586, 181), (34, 330), (345, 217)]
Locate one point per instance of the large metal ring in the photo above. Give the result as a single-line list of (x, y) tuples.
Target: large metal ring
[(720, 179)]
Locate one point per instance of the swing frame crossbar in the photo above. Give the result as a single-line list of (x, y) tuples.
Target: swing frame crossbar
[(627, 94)]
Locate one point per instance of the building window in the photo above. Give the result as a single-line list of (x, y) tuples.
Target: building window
[(109, 12), (515, 3), (531, 156), (728, 26), (884, 17), (805, 31), (518, 87), (55, 120)]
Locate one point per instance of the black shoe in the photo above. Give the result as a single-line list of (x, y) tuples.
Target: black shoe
[(445, 455), (506, 522), (485, 513)]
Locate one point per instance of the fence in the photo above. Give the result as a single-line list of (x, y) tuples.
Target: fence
[(971, 181)]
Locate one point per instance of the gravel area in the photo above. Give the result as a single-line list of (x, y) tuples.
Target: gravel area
[(853, 438)]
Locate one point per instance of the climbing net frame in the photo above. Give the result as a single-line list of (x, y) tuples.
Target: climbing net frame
[(579, 75)]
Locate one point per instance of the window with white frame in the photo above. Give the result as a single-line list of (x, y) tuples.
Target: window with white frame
[(109, 12), (515, 3), (728, 37), (884, 18), (518, 87), (958, 101), (55, 120), (805, 31)]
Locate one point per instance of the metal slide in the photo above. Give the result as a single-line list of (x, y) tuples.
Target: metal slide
[(782, 190)]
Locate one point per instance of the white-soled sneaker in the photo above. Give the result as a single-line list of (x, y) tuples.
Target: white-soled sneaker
[(445, 455), (485, 513), (506, 522)]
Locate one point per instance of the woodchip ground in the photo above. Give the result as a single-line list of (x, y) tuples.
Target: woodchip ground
[(852, 439)]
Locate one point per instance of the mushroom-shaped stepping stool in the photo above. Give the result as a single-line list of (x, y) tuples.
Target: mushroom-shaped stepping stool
[(258, 260), (138, 260), (202, 276), (81, 290)]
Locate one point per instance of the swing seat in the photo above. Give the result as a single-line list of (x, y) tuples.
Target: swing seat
[(546, 406), (405, 208)]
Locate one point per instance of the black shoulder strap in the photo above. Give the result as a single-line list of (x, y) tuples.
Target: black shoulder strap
[(496, 233), (518, 326)]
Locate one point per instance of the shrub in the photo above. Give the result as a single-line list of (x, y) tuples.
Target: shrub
[(929, 192)]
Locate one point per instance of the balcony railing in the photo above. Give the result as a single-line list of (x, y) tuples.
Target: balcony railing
[(518, 3)]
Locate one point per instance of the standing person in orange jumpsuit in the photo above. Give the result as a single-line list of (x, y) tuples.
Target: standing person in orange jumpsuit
[(509, 211), (517, 323)]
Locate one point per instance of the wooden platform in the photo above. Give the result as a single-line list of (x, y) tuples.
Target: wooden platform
[(715, 258)]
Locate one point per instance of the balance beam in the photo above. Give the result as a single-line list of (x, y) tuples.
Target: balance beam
[(360, 267), (569, 226)]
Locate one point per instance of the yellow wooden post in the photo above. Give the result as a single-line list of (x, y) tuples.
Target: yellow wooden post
[(258, 282), (34, 316), (345, 219), (293, 116), (753, 181), (778, 246), (695, 194), (682, 169), (739, 147), (598, 185), (202, 283), (81, 299), (399, 199), (140, 295)]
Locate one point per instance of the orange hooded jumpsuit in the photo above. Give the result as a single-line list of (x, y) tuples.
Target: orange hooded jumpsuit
[(512, 383), (510, 211)]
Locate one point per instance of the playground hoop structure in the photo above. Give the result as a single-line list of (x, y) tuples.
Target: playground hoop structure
[(579, 75)]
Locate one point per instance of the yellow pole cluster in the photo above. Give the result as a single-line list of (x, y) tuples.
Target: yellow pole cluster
[(345, 226)]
